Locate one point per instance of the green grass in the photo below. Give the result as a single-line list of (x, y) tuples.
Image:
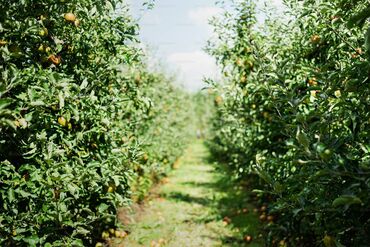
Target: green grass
[(189, 209)]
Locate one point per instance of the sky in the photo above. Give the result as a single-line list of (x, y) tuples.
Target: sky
[(177, 31)]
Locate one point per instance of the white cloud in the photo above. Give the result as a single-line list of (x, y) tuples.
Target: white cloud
[(201, 15), (193, 67)]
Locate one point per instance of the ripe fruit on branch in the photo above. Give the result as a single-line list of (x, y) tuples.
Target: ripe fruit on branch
[(145, 157), (218, 100), (21, 123), (42, 18), (248, 238), (312, 82), (263, 217), (338, 93), (328, 241), (282, 243), (239, 62), (3, 42), (137, 79), (227, 220), (70, 17), (41, 48), (54, 59), (270, 218), (315, 39), (243, 79), (357, 53), (111, 189), (313, 93), (105, 235), (62, 121), (335, 18), (248, 50), (43, 32), (120, 234), (77, 23), (117, 234)]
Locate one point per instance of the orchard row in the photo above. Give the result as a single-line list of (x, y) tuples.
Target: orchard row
[(85, 126), (294, 111)]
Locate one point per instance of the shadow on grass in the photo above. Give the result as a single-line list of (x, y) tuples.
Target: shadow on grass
[(231, 241), (229, 202), (206, 185), (178, 196), (234, 206)]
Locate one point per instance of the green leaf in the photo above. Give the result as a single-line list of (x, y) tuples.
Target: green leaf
[(37, 103), (259, 191), (32, 241), (82, 231), (25, 194), (78, 243), (4, 103), (72, 188), (359, 18), (303, 139), (102, 207), (367, 41), (84, 84), (61, 100), (346, 200), (11, 196)]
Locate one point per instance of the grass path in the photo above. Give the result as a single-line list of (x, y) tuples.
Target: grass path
[(196, 207)]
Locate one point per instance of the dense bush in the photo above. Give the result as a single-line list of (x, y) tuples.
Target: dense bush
[(78, 112), (203, 110), (163, 129), (294, 109)]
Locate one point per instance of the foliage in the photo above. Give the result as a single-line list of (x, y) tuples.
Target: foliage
[(163, 129), (294, 109), (76, 101), (203, 110)]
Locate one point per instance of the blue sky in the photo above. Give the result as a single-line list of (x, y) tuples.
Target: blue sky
[(177, 31)]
